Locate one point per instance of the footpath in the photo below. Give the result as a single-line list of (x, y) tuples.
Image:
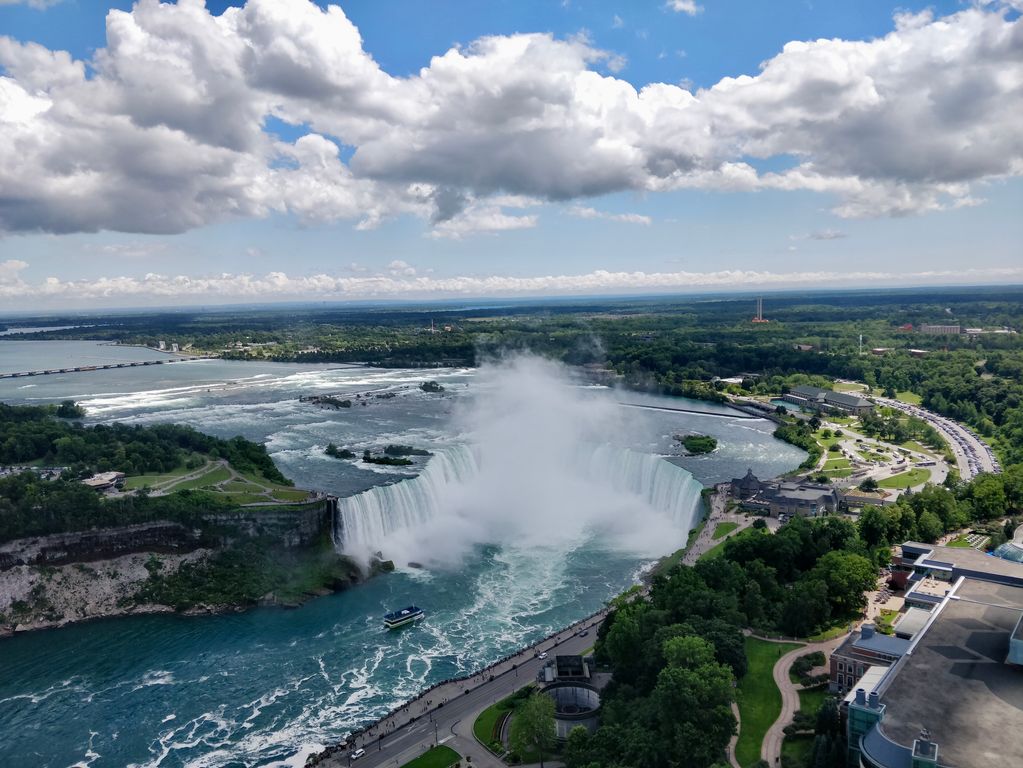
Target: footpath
[(770, 748), (445, 712)]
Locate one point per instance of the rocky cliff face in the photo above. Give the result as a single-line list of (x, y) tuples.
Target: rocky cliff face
[(292, 527), (295, 526), (49, 581), (103, 544), (39, 596)]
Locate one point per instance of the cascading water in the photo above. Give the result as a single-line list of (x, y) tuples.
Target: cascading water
[(639, 489), (364, 521)]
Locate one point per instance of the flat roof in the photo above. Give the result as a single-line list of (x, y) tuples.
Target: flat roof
[(845, 398), (968, 559), (802, 494), (954, 681), (868, 682), (912, 621), (893, 646)]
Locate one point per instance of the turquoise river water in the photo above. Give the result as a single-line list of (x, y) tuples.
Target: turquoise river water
[(268, 686)]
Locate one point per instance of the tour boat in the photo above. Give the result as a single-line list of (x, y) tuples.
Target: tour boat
[(404, 616)]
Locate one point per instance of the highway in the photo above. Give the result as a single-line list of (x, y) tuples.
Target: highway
[(973, 455), (446, 714)]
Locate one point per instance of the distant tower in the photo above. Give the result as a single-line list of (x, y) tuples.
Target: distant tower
[(760, 311), (861, 343)]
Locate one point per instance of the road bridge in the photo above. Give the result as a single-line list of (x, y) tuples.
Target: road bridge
[(86, 368)]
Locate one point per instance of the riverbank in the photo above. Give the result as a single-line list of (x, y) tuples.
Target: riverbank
[(203, 581), (48, 597), (450, 706)]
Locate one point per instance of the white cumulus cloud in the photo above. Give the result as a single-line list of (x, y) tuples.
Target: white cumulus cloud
[(400, 280), (684, 6), (164, 128), (585, 212)]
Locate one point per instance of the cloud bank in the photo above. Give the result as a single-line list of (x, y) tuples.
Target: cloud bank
[(402, 280), (169, 126)]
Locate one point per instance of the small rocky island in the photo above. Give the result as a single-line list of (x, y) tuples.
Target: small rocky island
[(697, 444)]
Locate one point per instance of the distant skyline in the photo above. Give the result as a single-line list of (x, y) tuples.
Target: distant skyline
[(284, 150)]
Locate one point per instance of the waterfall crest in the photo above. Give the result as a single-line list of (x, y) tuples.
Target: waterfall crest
[(632, 488)]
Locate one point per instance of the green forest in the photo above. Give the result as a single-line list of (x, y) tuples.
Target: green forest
[(673, 345), (31, 505), (676, 652)]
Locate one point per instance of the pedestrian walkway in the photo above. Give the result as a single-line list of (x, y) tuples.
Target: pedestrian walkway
[(770, 748)]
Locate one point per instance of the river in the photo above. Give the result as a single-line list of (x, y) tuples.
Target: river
[(267, 686)]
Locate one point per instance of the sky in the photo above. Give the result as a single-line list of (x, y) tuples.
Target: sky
[(200, 153)]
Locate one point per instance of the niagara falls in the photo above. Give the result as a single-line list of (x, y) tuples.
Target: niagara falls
[(543, 498)]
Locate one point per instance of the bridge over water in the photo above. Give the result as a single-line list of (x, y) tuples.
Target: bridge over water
[(734, 415), (84, 368)]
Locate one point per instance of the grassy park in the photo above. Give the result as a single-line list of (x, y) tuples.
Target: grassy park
[(759, 698), (912, 398), (913, 477), (233, 486), (487, 727), (723, 529), (435, 757)]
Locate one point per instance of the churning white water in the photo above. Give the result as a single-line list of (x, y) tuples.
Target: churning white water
[(542, 465)]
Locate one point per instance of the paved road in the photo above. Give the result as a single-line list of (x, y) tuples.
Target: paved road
[(446, 713), (770, 748), (973, 455)]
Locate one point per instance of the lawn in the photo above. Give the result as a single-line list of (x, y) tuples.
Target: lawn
[(485, 727), (908, 479), (837, 629), (140, 481), (825, 442), (796, 751), (959, 541), (908, 397), (849, 386), (435, 757), (913, 445), (670, 562), (723, 529), (217, 475), (884, 621), (759, 698), (839, 467), (719, 548), (243, 489)]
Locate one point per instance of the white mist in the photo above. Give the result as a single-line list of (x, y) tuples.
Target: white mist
[(541, 471)]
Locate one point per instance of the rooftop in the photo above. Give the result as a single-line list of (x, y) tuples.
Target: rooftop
[(955, 683), (964, 559), (869, 639), (874, 675), (844, 398), (805, 493), (878, 643), (912, 621)]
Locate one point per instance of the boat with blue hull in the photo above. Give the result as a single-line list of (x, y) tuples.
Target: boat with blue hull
[(404, 617)]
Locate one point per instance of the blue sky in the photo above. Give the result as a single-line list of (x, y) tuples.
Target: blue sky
[(526, 165)]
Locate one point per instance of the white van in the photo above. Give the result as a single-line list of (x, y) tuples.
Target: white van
[(358, 753)]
